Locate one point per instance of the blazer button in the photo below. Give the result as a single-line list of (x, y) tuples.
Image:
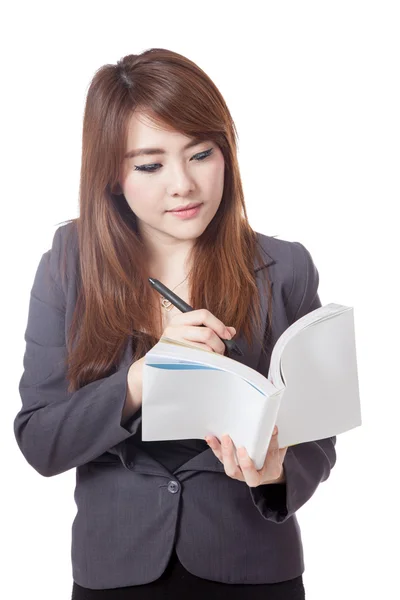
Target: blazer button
[(173, 487)]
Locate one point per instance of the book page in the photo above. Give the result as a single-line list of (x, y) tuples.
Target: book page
[(192, 403), (316, 316), (180, 353), (319, 368)]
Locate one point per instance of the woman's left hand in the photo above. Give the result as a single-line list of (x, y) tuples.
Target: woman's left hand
[(272, 470)]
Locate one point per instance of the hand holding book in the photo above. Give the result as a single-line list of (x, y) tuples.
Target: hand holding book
[(272, 470)]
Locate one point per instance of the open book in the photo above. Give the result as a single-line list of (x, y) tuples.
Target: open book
[(311, 391)]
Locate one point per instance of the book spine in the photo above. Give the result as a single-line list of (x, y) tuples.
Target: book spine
[(266, 428)]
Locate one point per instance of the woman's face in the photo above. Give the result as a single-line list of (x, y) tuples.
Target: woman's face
[(154, 183)]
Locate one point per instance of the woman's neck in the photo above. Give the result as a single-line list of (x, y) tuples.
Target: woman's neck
[(170, 272)]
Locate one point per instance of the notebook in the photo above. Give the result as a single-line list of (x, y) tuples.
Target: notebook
[(311, 391)]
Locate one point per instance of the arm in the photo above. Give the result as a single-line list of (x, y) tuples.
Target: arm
[(305, 465), (57, 430)]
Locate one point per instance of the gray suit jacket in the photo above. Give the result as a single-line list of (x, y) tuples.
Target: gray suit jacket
[(130, 508)]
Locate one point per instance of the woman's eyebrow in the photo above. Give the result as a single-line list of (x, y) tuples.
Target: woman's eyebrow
[(143, 151)]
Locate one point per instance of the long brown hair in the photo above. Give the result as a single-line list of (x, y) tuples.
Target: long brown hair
[(114, 294)]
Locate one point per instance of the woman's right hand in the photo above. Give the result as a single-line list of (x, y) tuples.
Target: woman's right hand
[(186, 327), (183, 327)]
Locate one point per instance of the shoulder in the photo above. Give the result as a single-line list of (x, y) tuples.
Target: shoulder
[(63, 254), (292, 269)]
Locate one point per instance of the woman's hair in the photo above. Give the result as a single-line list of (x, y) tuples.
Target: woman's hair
[(115, 299)]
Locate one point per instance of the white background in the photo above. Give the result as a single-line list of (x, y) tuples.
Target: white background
[(313, 88)]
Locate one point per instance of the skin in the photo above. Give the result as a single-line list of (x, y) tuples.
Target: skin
[(180, 177), (272, 470)]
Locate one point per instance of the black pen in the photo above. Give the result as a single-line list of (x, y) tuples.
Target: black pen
[(184, 307)]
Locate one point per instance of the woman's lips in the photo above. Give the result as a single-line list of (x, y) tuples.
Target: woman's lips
[(186, 214)]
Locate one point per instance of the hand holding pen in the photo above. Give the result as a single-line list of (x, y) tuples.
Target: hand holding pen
[(199, 327), (215, 336)]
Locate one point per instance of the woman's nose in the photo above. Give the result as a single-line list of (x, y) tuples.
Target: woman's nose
[(180, 183)]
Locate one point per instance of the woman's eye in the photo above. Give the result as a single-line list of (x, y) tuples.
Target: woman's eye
[(202, 155), (155, 166)]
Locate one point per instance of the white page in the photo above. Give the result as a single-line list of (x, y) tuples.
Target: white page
[(328, 311), (320, 398), (196, 356), (194, 403), (319, 368)]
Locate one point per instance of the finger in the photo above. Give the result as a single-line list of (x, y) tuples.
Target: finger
[(274, 442), (231, 468), (215, 446), (275, 451), (232, 330), (203, 316), (198, 336), (273, 462), (282, 453), (250, 474), (209, 337)]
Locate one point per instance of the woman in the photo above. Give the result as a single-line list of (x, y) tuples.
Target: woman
[(157, 138)]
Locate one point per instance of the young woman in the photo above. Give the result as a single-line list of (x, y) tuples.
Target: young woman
[(161, 196)]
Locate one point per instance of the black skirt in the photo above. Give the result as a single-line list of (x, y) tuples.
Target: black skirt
[(177, 583)]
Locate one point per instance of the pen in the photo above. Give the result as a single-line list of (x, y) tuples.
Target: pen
[(184, 307)]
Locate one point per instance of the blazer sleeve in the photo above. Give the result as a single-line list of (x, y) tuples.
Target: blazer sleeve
[(308, 464), (57, 430)]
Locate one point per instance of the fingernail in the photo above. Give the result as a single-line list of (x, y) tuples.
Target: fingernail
[(275, 430), (227, 335), (225, 441)]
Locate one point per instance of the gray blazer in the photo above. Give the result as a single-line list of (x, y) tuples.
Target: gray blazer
[(130, 509)]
